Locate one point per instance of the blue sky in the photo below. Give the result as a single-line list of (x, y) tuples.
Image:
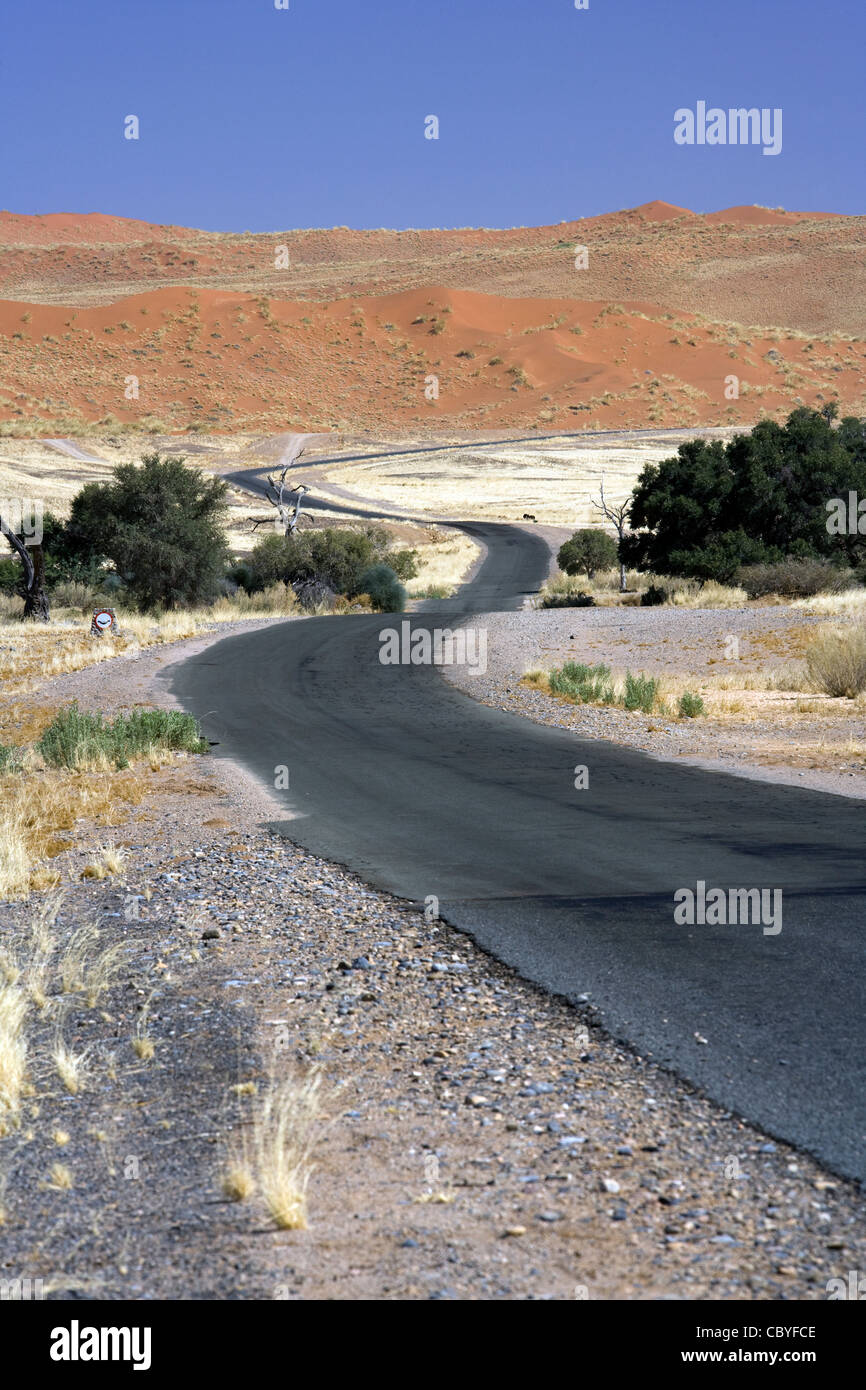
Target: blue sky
[(253, 118)]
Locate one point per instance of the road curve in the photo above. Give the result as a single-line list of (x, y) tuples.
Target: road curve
[(423, 791)]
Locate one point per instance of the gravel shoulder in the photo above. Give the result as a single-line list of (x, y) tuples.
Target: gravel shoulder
[(486, 1140), (824, 750)]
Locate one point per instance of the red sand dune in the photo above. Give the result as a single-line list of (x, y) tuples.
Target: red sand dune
[(217, 331), (220, 359)]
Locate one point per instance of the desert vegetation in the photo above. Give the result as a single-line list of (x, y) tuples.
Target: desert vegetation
[(82, 766)]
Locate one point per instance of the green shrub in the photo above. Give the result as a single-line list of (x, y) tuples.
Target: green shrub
[(333, 557), (653, 597), (161, 525), (10, 575), (385, 590), (76, 738), (794, 578), (690, 706), (640, 692), (10, 759), (588, 550), (577, 599), (586, 684), (753, 500)]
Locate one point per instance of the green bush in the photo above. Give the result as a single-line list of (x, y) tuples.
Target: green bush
[(330, 556), (578, 599), (640, 692), (76, 738), (10, 575), (653, 597), (588, 550), (753, 500), (385, 590), (690, 706), (161, 525), (794, 578), (586, 684), (10, 759)]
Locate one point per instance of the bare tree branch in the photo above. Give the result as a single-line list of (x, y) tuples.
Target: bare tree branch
[(617, 515), (278, 496)]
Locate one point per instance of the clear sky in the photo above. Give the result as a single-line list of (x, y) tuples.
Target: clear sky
[(253, 118)]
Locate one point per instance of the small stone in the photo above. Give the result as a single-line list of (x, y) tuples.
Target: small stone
[(610, 1185), (477, 1101), (515, 1231), (619, 1214), (409, 1244), (625, 1150), (549, 1216), (210, 934)]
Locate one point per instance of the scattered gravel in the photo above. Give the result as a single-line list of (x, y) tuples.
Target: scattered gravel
[(486, 1140), (679, 641)]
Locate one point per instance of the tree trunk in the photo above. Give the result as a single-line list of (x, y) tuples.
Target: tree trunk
[(32, 588), (622, 580), (36, 600)]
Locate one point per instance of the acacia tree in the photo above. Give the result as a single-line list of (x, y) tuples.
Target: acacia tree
[(161, 525), (32, 586), (758, 499)]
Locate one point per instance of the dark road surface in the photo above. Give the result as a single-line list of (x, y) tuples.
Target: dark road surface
[(423, 791)]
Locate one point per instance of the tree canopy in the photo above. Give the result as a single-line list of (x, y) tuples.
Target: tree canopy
[(160, 524), (588, 550), (759, 498)]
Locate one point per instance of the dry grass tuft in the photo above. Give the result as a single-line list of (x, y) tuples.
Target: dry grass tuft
[(286, 1128), (13, 1052), (836, 661), (72, 1067), (109, 863), (238, 1182), (60, 1178)]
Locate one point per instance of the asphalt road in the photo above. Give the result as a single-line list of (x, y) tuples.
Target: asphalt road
[(423, 792)]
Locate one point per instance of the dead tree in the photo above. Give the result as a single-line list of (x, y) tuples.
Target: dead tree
[(32, 585), (278, 496), (617, 515)]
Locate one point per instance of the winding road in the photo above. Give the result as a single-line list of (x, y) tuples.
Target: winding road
[(425, 792)]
